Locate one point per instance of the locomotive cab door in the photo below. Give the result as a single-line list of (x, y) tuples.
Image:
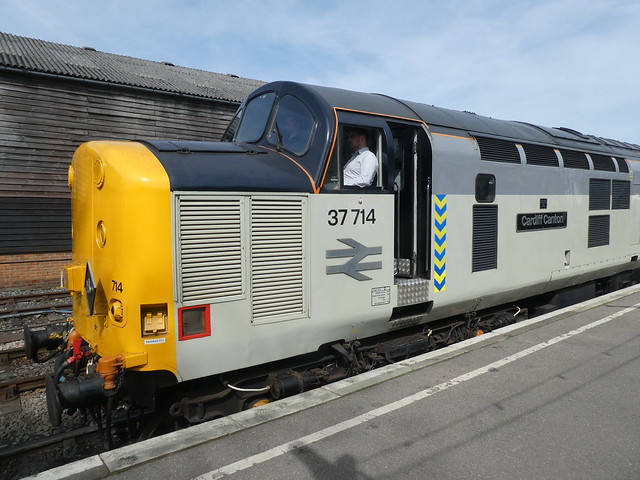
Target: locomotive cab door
[(412, 189), (405, 162)]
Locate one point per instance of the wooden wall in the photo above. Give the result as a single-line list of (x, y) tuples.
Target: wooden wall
[(42, 122)]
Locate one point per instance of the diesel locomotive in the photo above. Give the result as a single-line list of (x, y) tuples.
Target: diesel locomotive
[(208, 277)]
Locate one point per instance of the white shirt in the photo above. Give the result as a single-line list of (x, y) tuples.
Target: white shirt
[(361, 168)]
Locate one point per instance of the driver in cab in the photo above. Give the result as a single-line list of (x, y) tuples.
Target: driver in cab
[(362, 167)]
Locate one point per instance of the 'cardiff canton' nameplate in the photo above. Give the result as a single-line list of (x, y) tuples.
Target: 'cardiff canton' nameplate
[(541, 221)]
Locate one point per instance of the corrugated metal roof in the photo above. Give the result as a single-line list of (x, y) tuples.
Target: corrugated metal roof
[(29, 54)]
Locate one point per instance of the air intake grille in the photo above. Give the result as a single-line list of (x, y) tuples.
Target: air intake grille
[(539, 155), (598, 230), (485, 238), (574, 159), (601, 162), (277, 258), (496, 150), (210, 248), (622, 165), (620, 194), (599, 194)]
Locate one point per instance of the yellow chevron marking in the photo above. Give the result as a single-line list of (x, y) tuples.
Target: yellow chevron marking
[(439, 233), (441, 217), (441, 203), (439, 278)]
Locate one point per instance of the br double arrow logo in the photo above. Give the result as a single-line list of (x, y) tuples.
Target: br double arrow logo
[(355, 265)]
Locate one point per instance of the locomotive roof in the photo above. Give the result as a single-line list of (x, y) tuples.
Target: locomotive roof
[(442, 119)]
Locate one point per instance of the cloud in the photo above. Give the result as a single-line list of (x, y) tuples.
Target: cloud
[(551, 62)]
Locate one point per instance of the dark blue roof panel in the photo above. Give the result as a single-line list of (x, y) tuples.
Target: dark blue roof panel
[(469, 123)]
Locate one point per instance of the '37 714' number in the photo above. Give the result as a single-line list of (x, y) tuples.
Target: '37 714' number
[(354, 216)]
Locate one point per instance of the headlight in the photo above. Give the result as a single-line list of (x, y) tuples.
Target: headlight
[(194, 322)]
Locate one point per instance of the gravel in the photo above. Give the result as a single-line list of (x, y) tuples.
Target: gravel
[(30, 421), (26, 419)]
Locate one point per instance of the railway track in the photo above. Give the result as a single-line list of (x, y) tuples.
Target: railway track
[(31, 303), (9, 354), (28, 444), (37, 309), (76, 442), (10, 337), (41, 454), (10, 385), (23, 297), (24, 311), (89, 432), (10, 389)]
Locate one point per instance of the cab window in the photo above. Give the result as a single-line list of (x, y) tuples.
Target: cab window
[(255, 117), (230, 132), (357, 170), (354, 177), (293, 126)]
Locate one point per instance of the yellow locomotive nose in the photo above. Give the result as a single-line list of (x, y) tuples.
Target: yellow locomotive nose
[(121, 275)]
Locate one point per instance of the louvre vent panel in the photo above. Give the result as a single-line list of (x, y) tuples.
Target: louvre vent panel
[(574, 159), (210, 248), (599, 194), (214, 265), (495, 150), (485, 238), (539, 155), (602, 162), (277, 258), (620, 195), (622, 165), (598, 230)]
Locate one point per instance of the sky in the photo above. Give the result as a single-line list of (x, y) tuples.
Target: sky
[(569, 63)]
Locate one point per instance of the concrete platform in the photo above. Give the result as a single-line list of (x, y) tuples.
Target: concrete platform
[(557, 396)]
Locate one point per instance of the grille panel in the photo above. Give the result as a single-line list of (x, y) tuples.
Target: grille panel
[(598, 230), (213, 265), (599, 194), (485, 238), (602, 162), (495, 150), (539, 155), (277, 258), (622, 165), (620, 195), (574, 159), (210, 265)]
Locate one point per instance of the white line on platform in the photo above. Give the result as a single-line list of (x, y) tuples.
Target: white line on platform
[(378, 412)]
